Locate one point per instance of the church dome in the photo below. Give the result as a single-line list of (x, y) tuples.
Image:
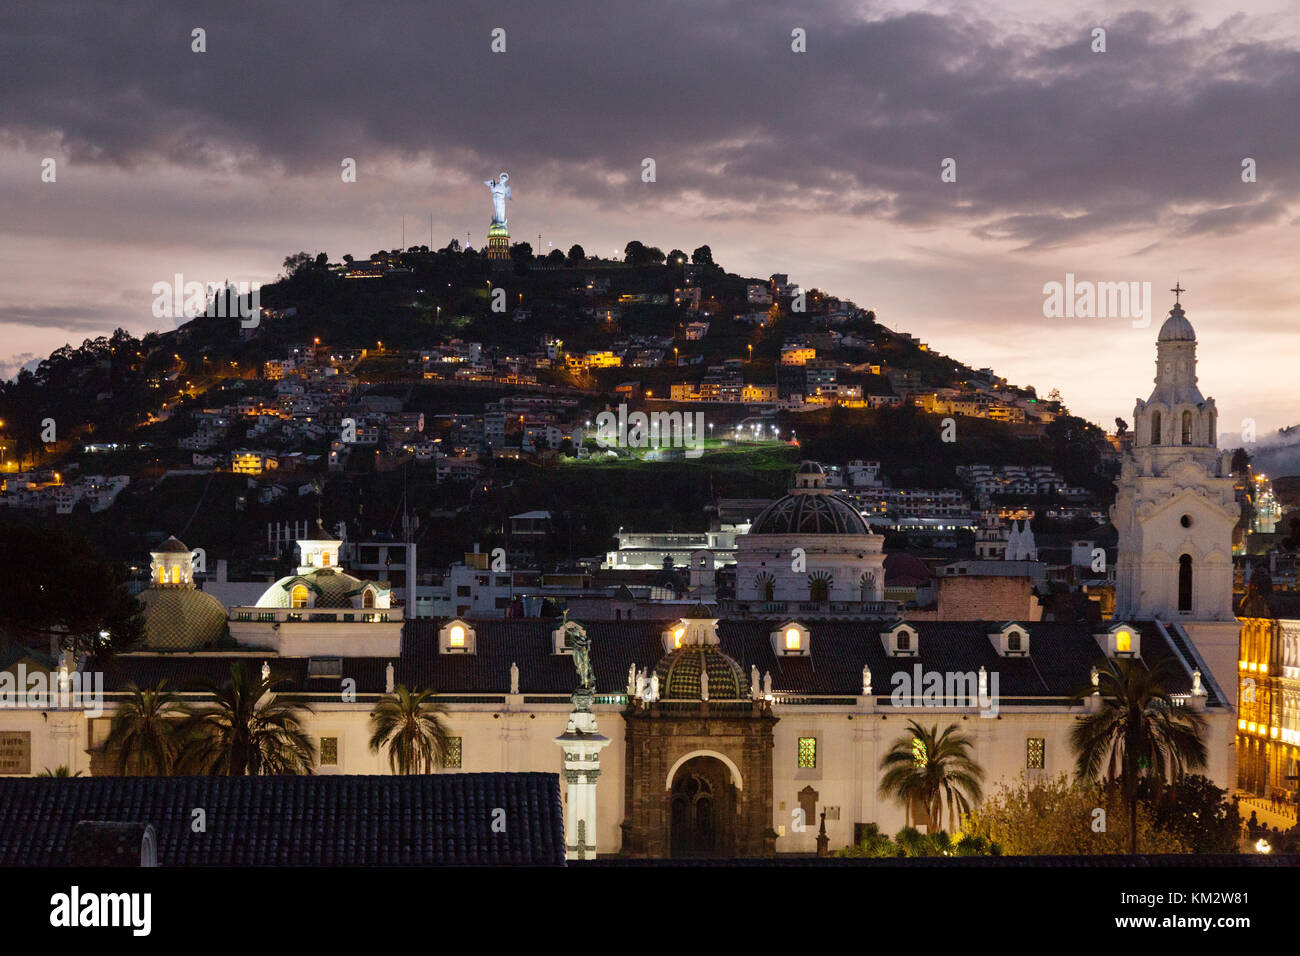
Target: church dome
[(679, 674), (810, 514), (333, 589), (1176, 327), (171, 546), (181, 619)]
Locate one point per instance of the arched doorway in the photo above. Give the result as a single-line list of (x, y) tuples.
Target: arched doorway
[(702, 809)]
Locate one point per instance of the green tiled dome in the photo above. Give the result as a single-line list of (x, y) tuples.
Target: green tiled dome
[(679, 674), (333, 589), (181, 619)]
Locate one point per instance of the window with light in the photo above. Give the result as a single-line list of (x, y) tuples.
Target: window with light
[(329, 751), (1035, 753), (677, 636), (807, 753), (793, 639), (298, 596), (1123, 642), (453, 756), (919, 755), (456, 636)]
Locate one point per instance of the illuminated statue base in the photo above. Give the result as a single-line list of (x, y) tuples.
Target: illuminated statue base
[(498, 241)]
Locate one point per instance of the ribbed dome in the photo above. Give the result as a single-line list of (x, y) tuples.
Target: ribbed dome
[(810, 514), (181, 619), (1176, 327), (171, 546), (333, 589), (679, 674)]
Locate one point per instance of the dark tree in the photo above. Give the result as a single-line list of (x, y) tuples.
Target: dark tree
[(677, 258), (1121, 427), (1240, 460), (634, 253), (703, 256), (577, 254), (555, 257), (57, 587)]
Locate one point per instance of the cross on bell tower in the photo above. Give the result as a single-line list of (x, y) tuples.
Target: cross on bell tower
[(1177, 290)]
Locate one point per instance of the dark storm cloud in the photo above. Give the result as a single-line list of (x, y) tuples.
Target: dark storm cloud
[(1052, 142), (53, 317)]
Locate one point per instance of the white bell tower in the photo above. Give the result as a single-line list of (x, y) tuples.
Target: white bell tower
[(1175, 510)]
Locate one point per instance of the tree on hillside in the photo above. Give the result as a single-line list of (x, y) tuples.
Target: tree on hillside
[(1240, 461), (703, 256), (555, 258), (677, 258), (577, 254), (58, 588), (522, 254)]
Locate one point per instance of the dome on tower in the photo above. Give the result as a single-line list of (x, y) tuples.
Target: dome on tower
[(171, 546), (1176, 327), (679, 674)]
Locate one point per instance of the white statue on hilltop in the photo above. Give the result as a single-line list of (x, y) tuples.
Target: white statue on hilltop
[(500, 193)]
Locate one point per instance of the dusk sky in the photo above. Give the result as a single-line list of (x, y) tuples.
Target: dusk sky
[(1117, 166)]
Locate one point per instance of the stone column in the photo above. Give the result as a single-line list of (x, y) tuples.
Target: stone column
[(581, 744)]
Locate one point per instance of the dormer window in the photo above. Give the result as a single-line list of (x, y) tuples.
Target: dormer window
[(368, 598), (1011, 640), (1121, 640), (791, 639), (678, 634), (298, 596), (456, 637), (900, 640)]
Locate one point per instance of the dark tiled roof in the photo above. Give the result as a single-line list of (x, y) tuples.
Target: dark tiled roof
[(440, 819), (1060, 659)]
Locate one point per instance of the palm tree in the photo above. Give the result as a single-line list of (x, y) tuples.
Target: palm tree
[(248, 730), (144, 731), (927, 770), (411, 726), (1138, 732)]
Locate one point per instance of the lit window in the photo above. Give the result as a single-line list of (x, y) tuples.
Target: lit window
[(298, 596), (329, 751), (456, 637), (1123, 642), (677, 636), (1035, 753), (807, 753), (919, 756), (793, 639), (453, 753), (162, 575), (324, 559), (176, 575)]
